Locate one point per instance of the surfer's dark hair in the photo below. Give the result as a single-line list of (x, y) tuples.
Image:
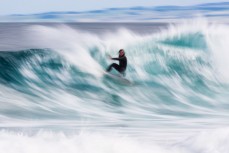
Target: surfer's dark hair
[(121, 50)]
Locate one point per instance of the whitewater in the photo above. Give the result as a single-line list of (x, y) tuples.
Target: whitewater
[(55, 98)]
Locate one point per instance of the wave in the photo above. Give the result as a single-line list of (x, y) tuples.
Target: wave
[(178, 72)]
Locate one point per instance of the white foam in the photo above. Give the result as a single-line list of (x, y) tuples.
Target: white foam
[(216, 36), (51, 142), (207, 141)]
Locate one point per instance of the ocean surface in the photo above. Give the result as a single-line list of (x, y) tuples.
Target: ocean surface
[(218, 11), (54, 97)]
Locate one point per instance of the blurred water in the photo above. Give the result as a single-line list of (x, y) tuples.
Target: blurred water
[(53, 91)]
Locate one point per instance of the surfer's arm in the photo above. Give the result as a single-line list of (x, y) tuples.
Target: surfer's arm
[(120, 58)]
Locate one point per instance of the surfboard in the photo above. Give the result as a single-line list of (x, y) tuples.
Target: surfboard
[(118, 77)]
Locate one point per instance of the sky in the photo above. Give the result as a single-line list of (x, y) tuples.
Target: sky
[(8, 7)]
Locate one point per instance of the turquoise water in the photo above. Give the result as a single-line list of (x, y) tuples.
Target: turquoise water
[(54, 93)]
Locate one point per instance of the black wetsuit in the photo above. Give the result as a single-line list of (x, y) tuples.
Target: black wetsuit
[(122, 64)]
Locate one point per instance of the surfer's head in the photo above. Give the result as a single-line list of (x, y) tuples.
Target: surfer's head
[(121, 52)]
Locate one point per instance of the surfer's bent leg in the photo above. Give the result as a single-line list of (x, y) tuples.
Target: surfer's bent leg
[(114, 65)]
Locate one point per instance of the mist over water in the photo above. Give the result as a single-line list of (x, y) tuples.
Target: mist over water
[(54, 94)]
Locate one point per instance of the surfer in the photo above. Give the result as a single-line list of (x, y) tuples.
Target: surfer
[(121, 68)]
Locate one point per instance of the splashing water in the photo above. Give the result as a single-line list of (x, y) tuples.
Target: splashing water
[(180, 87)]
